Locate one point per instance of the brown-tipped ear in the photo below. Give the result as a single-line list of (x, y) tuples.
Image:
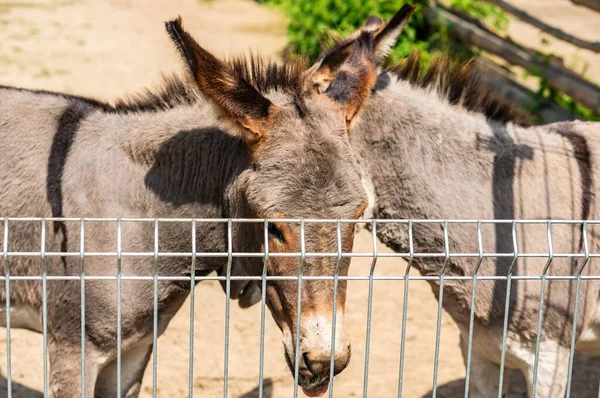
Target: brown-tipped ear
[(330, 60), (238, 100), (321, 73), (352, 84), (386, 37)]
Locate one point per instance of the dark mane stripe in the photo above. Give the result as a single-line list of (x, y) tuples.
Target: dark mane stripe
[(173, 92), (266, 75), (460, 83), (89, 101)]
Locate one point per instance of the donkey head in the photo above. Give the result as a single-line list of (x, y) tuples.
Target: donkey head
[(299, 166), (321, 74), (384, 38)]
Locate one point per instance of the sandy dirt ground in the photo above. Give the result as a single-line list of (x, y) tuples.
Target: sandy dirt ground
[(111, 47)]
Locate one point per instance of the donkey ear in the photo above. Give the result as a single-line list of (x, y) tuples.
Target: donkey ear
[(239, 101), (385, 36), (351, 86)]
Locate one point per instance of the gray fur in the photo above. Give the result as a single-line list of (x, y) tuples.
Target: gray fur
[(175, 160), (428, 159)]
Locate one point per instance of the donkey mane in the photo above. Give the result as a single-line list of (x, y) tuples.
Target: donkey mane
[(263, 74), (460, 83), (267, 75), (172, 92)]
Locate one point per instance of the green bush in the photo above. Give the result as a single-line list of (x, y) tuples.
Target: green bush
[(312, 22)]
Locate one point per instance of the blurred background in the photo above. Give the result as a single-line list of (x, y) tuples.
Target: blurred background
[(542, 54)]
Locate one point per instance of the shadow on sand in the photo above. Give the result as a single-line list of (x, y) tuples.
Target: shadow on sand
[(18, 390), (267, 390), (586, 373)]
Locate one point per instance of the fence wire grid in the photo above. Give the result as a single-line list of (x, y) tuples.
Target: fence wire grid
[(445, 254)]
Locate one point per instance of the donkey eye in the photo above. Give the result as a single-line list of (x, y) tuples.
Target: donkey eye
[(276, 233)]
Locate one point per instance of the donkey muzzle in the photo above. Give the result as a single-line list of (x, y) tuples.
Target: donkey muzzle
[(246, 292)]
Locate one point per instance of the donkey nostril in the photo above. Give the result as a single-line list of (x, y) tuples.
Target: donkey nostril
[(307, 363), (315, 365)]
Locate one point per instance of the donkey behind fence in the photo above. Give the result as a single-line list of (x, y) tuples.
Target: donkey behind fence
[(265, 145), (435, 145)]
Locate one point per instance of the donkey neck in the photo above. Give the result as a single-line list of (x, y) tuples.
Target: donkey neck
[(189, 161), (423, 158)]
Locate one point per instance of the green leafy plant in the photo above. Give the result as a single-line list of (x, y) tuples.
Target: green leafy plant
[(546, 93), (313, 22), (482, 11)]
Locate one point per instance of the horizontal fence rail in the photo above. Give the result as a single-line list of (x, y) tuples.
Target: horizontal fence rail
[(447, 252)]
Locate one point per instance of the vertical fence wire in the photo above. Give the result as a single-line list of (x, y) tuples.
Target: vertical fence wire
[(82, 299), (192, 300), (8, 337), (262, 312), (411, 257), (299, 308), (472, 315), (370, 311), (438, 328), (155, 314), (44, 305), (541, 310), (507, 307), (119, 247), (446, 259), (335, 299), (227, 305), (586, 252)]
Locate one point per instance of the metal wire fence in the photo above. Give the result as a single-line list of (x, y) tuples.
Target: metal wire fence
[(412, 253)]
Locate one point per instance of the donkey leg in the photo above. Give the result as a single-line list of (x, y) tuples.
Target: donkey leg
[(136, 363), (64, 372), (485, 374), (133, 364), (552, 371)]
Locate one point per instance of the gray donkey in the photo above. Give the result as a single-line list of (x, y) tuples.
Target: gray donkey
[(435, 145), (263, 144)]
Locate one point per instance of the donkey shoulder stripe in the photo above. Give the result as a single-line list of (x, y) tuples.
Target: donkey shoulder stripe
[(68, 124)]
